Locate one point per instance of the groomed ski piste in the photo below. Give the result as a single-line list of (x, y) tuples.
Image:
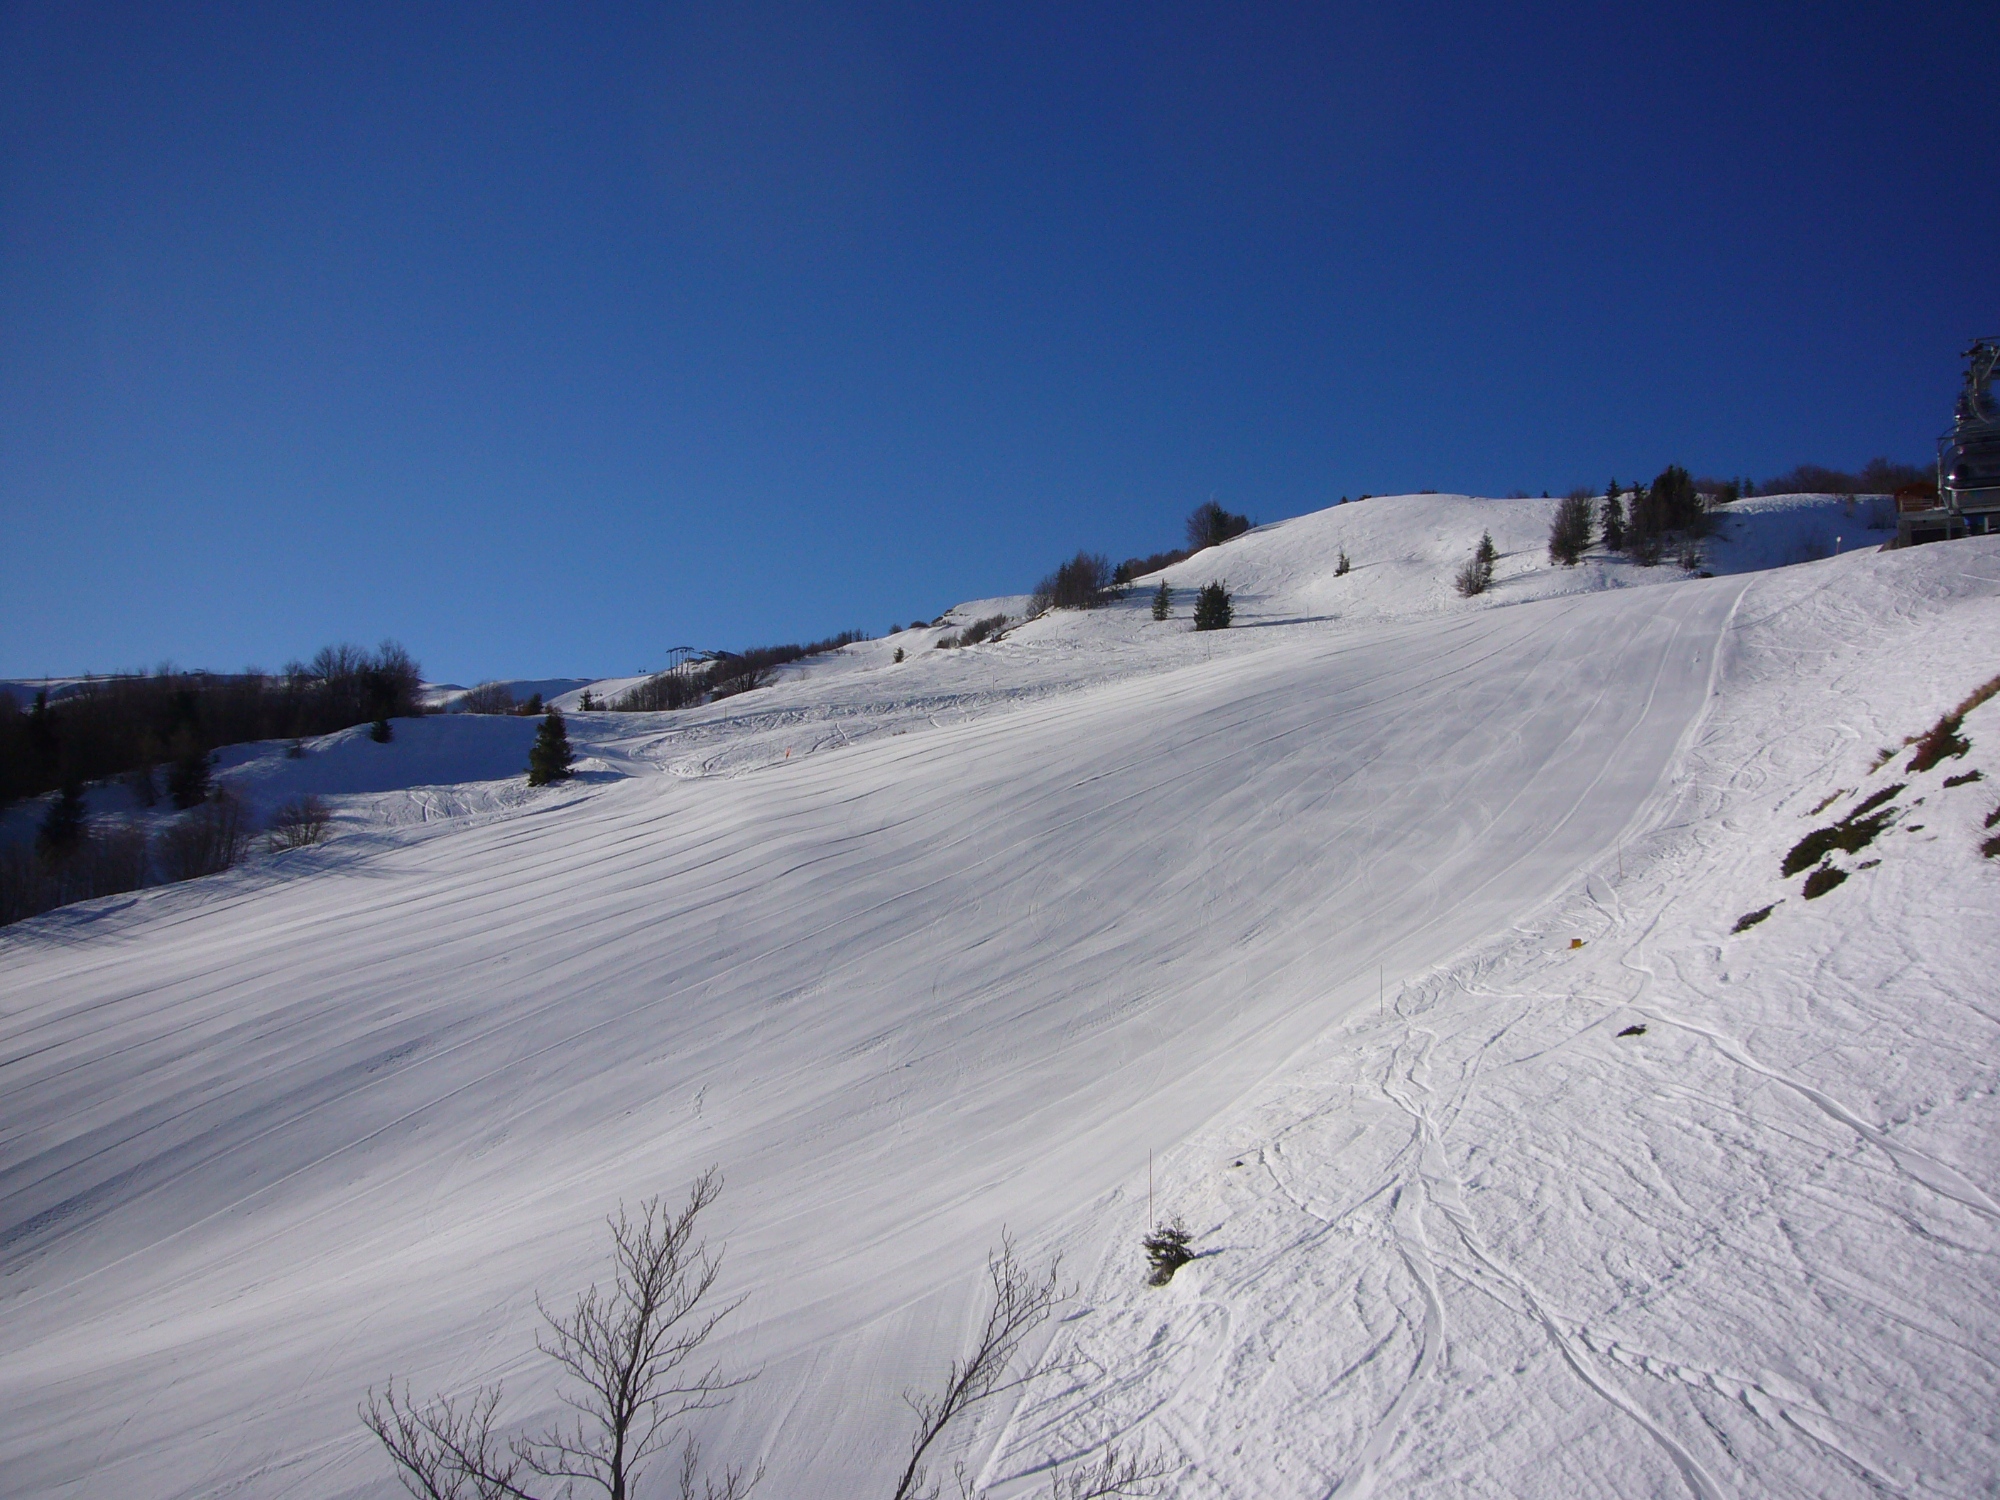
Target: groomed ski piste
[(1350, 916)]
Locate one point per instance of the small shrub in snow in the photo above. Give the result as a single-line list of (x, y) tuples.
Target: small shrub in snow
[(381, 732), (1822, 880), (1966, 780), (550, 756), (1213, 609), (1751, 918), (299, 823), (531, 708), (899, 653), (1167, 1250), (1163, 601), (206, 841), (979, 630), (1342, 566), (1476, 577)]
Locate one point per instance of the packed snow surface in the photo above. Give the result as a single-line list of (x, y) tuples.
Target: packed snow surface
[(919, 950)]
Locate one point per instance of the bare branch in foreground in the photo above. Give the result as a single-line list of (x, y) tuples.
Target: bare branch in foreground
[(444, 1451), (629, 1350), (1117, 1473), (1021, 1303)]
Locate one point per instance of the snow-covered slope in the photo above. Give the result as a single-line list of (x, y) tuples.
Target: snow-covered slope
[(917, 950)]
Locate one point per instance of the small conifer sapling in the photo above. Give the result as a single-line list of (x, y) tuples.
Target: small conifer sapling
[(549, 758), (1167, 1250), (1213, 609), (1163, 601), (380, 732)]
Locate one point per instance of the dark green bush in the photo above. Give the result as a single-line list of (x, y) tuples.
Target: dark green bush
[(1167, 1250), (1213, 608), (550, 756)]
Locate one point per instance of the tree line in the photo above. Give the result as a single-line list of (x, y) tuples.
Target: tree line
[(130, 725)]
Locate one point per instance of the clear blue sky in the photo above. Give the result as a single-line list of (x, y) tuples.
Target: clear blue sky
[(545, 336)]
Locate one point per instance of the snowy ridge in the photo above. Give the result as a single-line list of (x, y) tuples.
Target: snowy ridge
[(1004, 919)]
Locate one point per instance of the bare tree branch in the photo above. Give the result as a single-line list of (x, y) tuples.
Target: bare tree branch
[(444, 1451), (1021, 1303), (1117, 1473), (627, 1349)]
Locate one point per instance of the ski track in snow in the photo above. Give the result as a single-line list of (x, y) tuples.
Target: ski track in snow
[(1001, 921)]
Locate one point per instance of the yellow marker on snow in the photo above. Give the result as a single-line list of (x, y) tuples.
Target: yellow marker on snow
[(1576, 942)]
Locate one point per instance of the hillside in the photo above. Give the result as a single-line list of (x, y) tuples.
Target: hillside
[(919, 950)]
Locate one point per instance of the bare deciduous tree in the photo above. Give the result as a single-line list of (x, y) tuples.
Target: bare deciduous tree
[(1022, 1301), (1116, 1473), (630, 1350), (299, 823)]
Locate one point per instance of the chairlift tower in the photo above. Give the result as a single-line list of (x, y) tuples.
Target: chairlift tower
[(1969, 455)]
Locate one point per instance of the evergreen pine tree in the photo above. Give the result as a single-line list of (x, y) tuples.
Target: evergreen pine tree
[(1614, 522), (188, 777), (62, 827), (1163, 601), (381, 731), (1212, 609), (1476, 577), (550, 756), (1340, 567)]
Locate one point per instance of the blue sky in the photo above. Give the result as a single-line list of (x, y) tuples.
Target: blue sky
[(542, 337)]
